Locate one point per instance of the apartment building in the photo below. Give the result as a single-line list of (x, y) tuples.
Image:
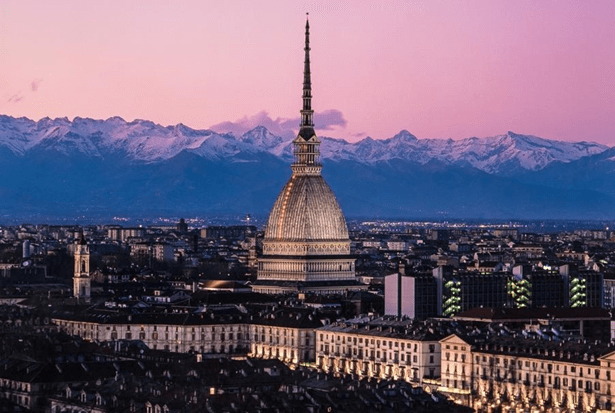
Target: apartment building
[(523, 371), (387, 347)]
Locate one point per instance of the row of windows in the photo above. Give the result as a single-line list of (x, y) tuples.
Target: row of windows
[(127, 327), (448, 347), (375, 355), (16, 385), (378, 343), (533, 365)]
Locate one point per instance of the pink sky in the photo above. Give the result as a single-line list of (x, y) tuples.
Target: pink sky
[(440, 69)]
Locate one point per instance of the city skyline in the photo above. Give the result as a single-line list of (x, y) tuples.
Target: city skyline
[(439, 70)]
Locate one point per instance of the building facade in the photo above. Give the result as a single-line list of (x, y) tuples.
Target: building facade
[(284, 334), (384, 348), (520, 373)]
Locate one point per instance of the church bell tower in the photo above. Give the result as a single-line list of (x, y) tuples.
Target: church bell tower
[(81, 274)]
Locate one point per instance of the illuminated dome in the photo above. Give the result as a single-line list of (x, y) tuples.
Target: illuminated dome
[(306, 210)]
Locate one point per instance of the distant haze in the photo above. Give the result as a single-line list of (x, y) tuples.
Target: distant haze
[(442, 69)]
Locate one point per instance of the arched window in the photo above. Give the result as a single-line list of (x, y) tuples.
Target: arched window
[(83, 266)]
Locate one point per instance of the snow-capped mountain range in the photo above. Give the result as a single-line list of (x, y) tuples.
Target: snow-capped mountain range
[(61, 168), (145, 141)]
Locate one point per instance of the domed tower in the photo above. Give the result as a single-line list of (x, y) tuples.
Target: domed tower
[(306, 246), (81, 274)]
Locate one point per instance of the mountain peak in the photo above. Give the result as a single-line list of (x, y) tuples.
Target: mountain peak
[(405, 135), (261, 137), (115, 119), (260, 129)]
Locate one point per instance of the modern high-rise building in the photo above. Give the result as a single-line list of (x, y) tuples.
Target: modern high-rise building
[(448, 291), (306, 246)]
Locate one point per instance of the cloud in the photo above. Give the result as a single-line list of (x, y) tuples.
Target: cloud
[(240, 126), (15, 98), (331, 119), (35, 84)]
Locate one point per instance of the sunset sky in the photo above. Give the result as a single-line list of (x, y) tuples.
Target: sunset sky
[(440, 69)]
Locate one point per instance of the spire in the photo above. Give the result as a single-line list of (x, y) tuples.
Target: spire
[(306, 152), (307, 112)]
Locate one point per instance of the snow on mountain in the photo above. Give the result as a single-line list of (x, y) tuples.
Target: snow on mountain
[(261, 137), (487, 154), (140, 140), (145, 141), (531, 152), (219, 147)]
